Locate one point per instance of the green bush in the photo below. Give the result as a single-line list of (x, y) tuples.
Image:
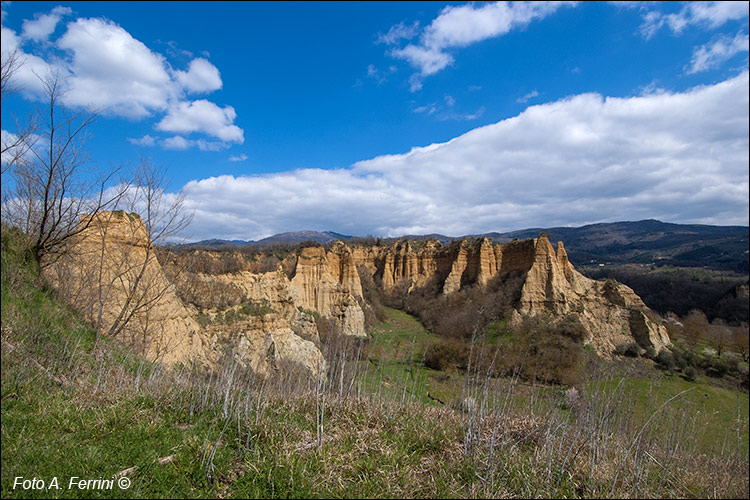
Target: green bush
[(203, 319), (256, 308), (691, 359), (631, 350), (446, 354), (690, 373), (716, 367), (570, 326), (665, 359), (541, 348), (679, 360)]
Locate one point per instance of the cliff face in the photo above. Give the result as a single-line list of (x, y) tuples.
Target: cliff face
[(328, 283), (611, 313), (111, 273)]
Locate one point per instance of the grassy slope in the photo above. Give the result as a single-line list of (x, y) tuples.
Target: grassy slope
[(72, 407)]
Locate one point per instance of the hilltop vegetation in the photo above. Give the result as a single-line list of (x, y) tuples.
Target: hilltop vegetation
[(680, 290), (383, 425)]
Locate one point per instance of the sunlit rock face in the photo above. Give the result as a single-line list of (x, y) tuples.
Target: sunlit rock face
[(279, 330), (611, 313)]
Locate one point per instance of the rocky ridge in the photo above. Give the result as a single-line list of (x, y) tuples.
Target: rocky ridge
[(611, 312), (271, 324)]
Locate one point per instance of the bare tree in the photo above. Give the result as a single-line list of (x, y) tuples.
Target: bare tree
[(10, 62), (111, 269), (719, 336), (695, 328), (163, 217), (741, 341), (14, 145), (52, 197)]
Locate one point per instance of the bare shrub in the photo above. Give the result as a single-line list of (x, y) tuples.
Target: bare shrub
[(446, 354), (741, 341), (264, 264), (548, 350), (695, 328), (463, 313)]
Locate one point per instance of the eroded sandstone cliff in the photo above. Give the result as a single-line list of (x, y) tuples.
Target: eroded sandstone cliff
[(268, 319), (110, 273), (611, 313)]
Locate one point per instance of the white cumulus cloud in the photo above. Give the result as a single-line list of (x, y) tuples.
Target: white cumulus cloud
[(43, 25), (202, 116), (460, 26), (104, 67), (146, 140), (703, 14), (112, 70), (201, 76), (679, 157), (179, 143), (398, 32)]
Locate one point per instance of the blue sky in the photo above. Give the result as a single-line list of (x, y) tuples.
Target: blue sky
[(388, 118)]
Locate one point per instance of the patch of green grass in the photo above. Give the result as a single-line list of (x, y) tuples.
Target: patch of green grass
[(714, 414), (497, 330), (400, 337), (396, 371)]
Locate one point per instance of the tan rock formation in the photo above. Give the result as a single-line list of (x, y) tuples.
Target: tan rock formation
[(611, 312), (473, 265), (403, 263), (270, 350), (111, 273), (328, 283)]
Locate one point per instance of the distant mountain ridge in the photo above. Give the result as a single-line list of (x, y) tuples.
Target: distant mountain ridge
[(288, 237), (642, 242)]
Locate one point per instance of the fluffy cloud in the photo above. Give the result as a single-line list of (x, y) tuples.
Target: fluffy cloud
[(705, 14), (201, 76), (458, 27), (679, 157), (719, 50), (25, 76), (146, 140), (114, 71), (44, 25), (179, 143), (398, 32), (104, 67), (202, 116)]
